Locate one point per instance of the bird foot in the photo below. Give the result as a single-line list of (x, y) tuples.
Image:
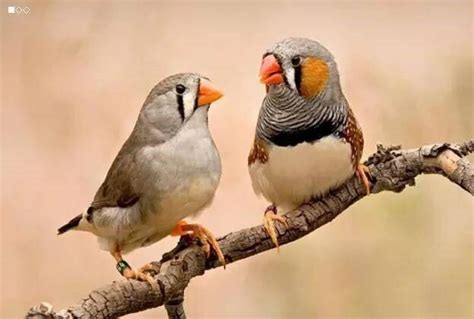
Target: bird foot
[(363, 174), (130, 273), (127, 272), (269, 218), (201, 233)]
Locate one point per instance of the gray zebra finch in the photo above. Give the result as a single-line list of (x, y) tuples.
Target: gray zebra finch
[(307, 138), (167, 170)]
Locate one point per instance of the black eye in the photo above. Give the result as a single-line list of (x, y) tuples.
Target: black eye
[(296, 61), (180, 89)]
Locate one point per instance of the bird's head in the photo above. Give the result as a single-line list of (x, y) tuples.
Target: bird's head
[(174, 100), (303, 65)]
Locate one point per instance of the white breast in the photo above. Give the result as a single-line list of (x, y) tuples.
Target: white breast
[(294, 175)]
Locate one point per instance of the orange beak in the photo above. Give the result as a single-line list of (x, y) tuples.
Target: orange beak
[(207, 93), (270, 71)]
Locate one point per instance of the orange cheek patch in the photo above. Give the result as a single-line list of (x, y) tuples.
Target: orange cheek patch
[(314, 75)]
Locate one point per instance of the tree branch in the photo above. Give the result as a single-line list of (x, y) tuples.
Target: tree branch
[(391, 169)]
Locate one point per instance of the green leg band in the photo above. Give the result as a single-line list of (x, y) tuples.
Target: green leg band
[(121, 266)]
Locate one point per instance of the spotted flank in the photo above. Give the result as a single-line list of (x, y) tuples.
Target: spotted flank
[(258, 152)]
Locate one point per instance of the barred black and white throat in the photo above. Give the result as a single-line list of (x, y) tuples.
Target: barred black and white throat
[(287, 119)]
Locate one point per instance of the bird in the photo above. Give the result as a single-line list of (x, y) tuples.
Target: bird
[(307, 139), (168, 169)]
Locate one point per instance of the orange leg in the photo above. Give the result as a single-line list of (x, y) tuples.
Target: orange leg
[(269, 218), (203, 234), (362, 172), (126, 271)]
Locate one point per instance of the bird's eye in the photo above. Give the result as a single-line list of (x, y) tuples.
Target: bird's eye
[(296, 61), (180, 89)]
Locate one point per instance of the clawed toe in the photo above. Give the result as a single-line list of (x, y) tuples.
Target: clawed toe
[(127, 272), (206, 238), (138, 275), (363, 174), (269, 223)]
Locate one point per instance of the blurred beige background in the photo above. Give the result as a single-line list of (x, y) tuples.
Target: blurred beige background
[(75, 73)]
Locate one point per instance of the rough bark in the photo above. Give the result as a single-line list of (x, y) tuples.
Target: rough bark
[(391, 169)]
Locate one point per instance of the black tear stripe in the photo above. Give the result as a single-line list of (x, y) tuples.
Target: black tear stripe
[(309, 135), (196, 99), (298, 78), (179, 98)]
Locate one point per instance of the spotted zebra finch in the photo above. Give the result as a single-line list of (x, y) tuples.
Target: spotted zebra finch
[(307, 139)]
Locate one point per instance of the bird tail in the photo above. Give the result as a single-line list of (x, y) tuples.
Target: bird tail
[(73, 223)]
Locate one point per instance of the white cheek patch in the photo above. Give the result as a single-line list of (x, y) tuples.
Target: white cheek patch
[(188, 102), (290, 77)]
